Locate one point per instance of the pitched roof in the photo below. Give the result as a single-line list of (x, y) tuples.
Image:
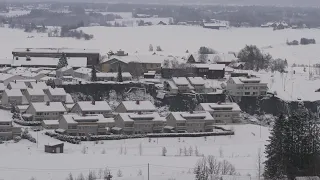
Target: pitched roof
[(4, 77), (146, 116), (51, 122), (66, 68), (139, 58), (139, 105), (13, 92), (214, 58), (57, 91), (196, 80), (98, 106), (184, 116), (180, 81), (213, 106), (97, 118), (39, 85), (210, 66), (51, 107), (83, 70), (35, 92), (18, 85)]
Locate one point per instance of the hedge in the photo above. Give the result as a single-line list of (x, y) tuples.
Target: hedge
[(27, 123), (78, 139)]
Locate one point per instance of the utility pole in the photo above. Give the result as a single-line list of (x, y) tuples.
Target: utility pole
[(37, 139), (148, 171)]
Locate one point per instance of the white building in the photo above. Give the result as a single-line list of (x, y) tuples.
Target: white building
[(65, 71), (221, 112), (190, 122), (56, 94), (76, 125), (13, 96), (34, 95), (46, 110), (112, 76), (134, 123), (244, 86), (135, 107), (199, 85), (18, 85), (91, 107), (83, 73)]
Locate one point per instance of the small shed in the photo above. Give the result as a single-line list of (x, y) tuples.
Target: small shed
[(54, 148)]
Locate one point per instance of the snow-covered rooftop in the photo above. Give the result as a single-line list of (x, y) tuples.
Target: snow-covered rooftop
[(13, 92), (139, 58), (39, 85), (112, 74), (63, 69), (56, 50), (244, 80), (214, 58), (220, 107), (138, 105), (57, 92), (83, 70), (210, 66), (4, 77), (172, 85), (96, 118), (18, 85), (43, 61), (51, 122), (48, 107), (184, 116), (35, 92), (196, 80), (180, 81), (146, 116), (97, 106)]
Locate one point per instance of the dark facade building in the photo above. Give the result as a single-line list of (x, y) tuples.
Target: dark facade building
[(56, 148), (92, 55)]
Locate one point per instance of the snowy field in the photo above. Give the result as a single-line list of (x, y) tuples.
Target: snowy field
[(13, 13), (24, 159), (175, 40)]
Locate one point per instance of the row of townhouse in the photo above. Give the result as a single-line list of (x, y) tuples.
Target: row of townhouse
[(7, 130), (187, 85)]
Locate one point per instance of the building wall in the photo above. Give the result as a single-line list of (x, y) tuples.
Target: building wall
[(120, 108), (39, 116), (249, 89), (113, 65), (68, 72), (195, 125), (34, 98), (10, 100), (56, 98), (6, 130)]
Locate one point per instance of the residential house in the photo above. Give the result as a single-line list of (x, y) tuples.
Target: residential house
[(83, 73), (7, 78), (112, 76), (183, 84), (140, 123), (135, 107), (18, 85), (56, 94), (5, 69), (34, 95), (38, 85), (2, 88), (210, 71), (221, 112), (50, 124), (7, 131), (13, 96), (46, 110), (191, 121), (144, 62), (246, 86), (222, 58), (65, 71), (91, 107), (76, 125), (199, 85)]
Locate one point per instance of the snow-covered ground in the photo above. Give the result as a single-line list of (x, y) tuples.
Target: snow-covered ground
[(13, 13), (24, 159), (175, 40)]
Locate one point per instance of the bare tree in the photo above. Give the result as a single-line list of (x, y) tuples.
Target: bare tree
[(185, 152), (214, 167), (140, 149), (190, 151), (140, 172), (259, 164), (70, 177), (159, 48), (164, 151), (119, 173), (180, 151), (81, 177), (196, 151), (227, 168), (100, 174), (106, 174), (221, 152)]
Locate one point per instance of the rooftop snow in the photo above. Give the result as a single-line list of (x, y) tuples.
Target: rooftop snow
[(56, 50), (51, 122), (172, 85), (83, 70), (184, 116), (75, 118), (196, 80), (136, 117), (18, 85), (98, 106), (44, 61), (180, 81), (35, 92), (214, 58), (57, 92), (141, 106), (13, 92), (52, 107), (139, 58), (210, 66), (66, 68), (113, 74), (243, 80), (39, 85), (4, 77), (212, 106)]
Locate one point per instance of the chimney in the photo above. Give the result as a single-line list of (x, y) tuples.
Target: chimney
[(36, 81), (15, 81), (93, 102), (48, 103), (138, 102)]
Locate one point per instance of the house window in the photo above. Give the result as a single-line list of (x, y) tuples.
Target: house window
[(247, 93), (247, 88), (254, 93)]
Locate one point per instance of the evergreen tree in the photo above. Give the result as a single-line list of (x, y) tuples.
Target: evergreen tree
[(62, 61), (93, 74), (119, 77)]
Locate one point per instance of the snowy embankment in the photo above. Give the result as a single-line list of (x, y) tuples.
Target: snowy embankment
[(24, 159)]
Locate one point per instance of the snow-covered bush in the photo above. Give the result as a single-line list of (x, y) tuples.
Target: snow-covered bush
[(17, 139), (26, 135), (27, 123)]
